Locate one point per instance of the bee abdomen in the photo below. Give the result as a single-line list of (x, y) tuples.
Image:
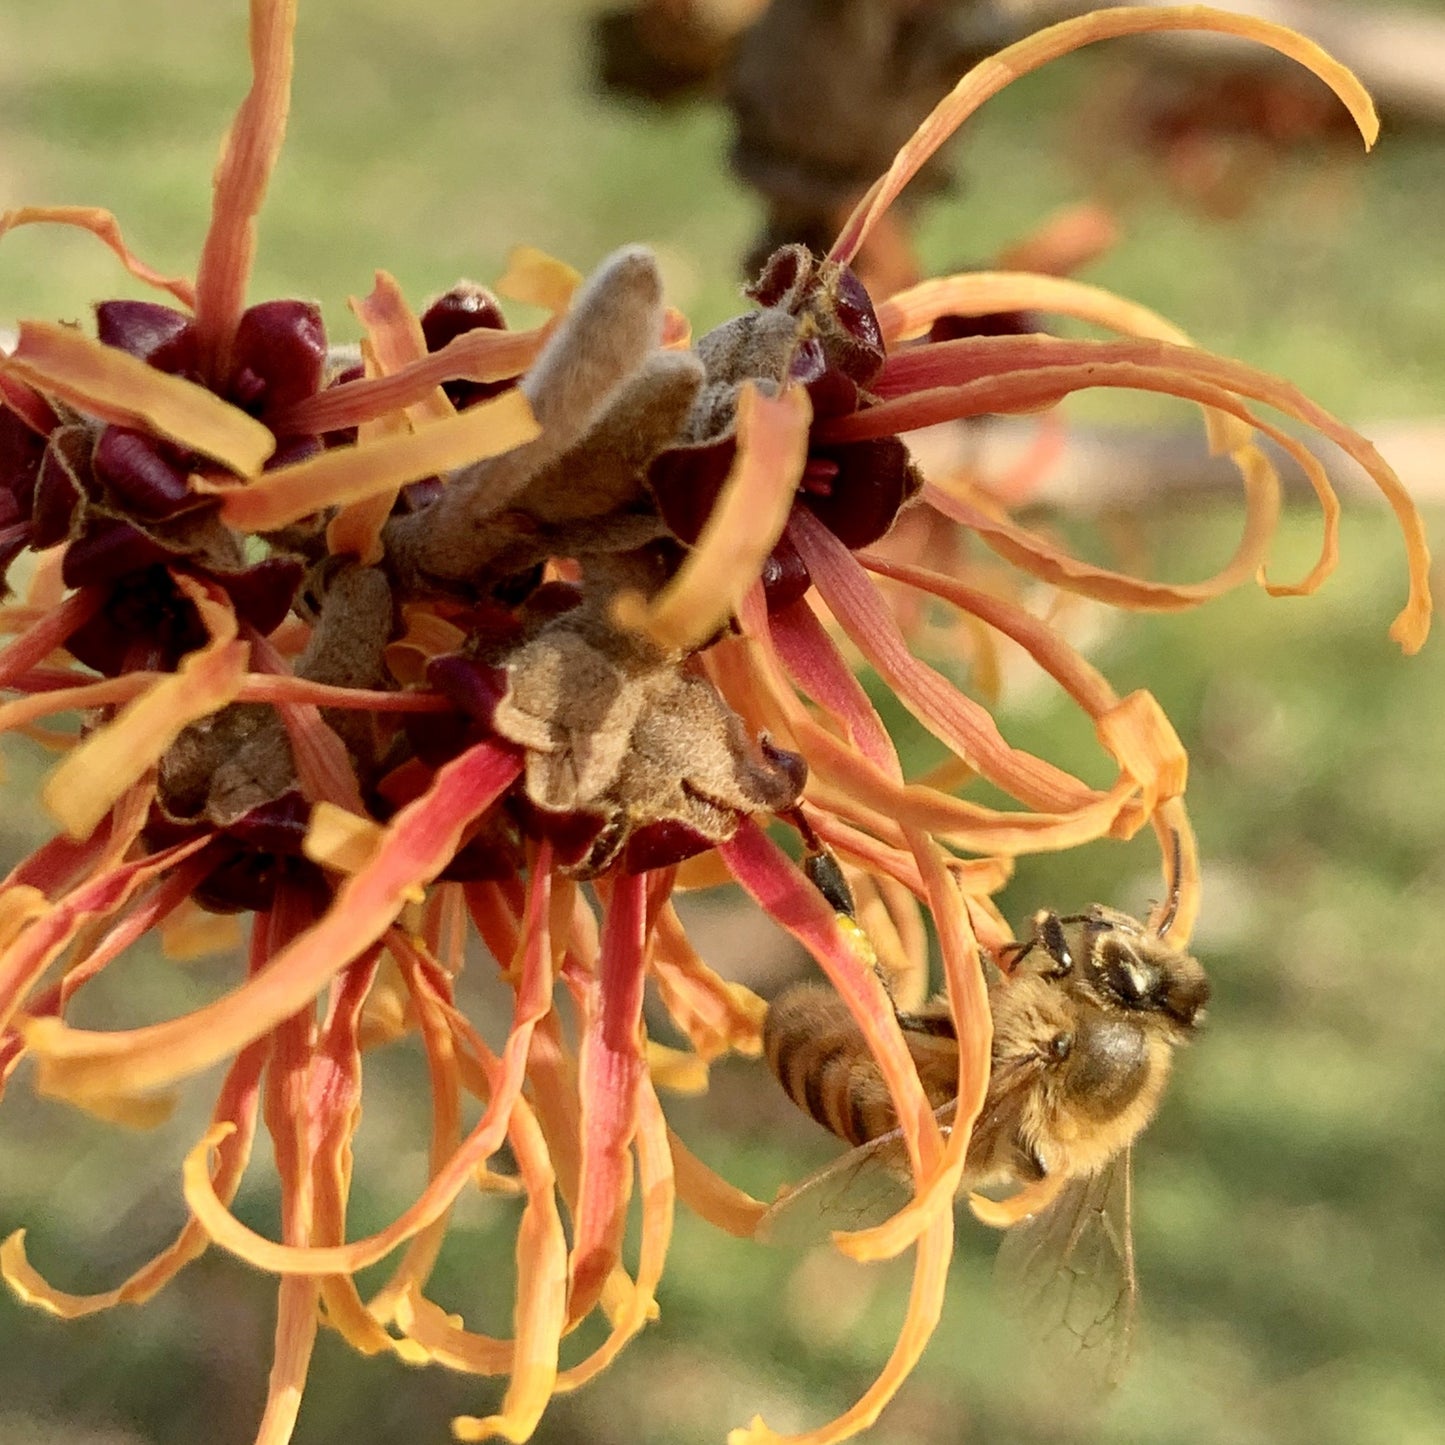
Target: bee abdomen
[(820, 1058)]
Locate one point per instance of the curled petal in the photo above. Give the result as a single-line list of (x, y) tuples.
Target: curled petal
[(1005, 1213), (104, 693), (815, 664), (419, 843), (262, 687), (475, 356), (41, 939), (925, 1304), (340, 839), (394, 340), (1047, 368), (956, 720), (105, 228), (441, 1054), (394, 337), (746, 522), (780, 889), (1079, 678), (991, 76), (909, 314), (842, 781), (1138, 734), (659, 1193), (236, 1110), (711, 1196), (973, 1025), (717, 1016)]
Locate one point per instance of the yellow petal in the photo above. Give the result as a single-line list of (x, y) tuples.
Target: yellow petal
[(81, 791), (538, 279), (349, 474), (746, 521), (106, 382)]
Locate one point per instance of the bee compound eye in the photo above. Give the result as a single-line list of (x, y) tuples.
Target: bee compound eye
[(1061, 1046), (1135, 982)]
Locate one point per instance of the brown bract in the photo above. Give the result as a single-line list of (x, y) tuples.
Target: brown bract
[(618, 729)]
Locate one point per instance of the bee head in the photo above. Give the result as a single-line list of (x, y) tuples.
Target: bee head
[(1140, 973)]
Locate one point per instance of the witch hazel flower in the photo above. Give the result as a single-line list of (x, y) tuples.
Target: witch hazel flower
[(493, 644)]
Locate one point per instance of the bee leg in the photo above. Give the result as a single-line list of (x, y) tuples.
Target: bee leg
[(1010, 955), (936, 1025), (825, 873)]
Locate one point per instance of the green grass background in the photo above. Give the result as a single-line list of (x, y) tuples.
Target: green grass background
[(1291, 1198)]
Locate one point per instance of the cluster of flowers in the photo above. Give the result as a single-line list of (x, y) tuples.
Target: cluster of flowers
[(517, 633)]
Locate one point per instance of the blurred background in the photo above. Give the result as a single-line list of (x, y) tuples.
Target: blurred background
[(1290, 1203)]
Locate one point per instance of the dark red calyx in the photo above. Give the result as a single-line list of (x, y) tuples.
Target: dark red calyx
[(466, 307), (784, 276), (874, 478), (475, 687), (108, 550), (278, 357), (144, 616), (837, 301), (262, 594), (572, 835), (139, 327), (247, 882), (14, 539), (831, 391), (494, 851), (60, 489), (793, 766), (291, 449), (21, 452), (416, 496), (785, 576), (853, 307), (662, 844), (685, 482), (275, 827), (144, 474), (437, 737), (994, 323)]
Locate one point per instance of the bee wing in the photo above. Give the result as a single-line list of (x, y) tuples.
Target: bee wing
[(861, 1188), (1068, 1272)]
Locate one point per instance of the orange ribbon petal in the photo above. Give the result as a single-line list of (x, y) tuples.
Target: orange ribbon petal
[(247, 160), (990, 76), (106, 229), (350, 474), (106, 382)]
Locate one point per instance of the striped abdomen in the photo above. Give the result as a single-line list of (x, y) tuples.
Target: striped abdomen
[(820, 1058)]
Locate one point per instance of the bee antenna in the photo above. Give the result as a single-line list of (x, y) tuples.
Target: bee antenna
[(1056, 945), (1176, 872)]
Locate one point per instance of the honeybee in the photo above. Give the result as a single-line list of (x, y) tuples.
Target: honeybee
[(1087, 1014)]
